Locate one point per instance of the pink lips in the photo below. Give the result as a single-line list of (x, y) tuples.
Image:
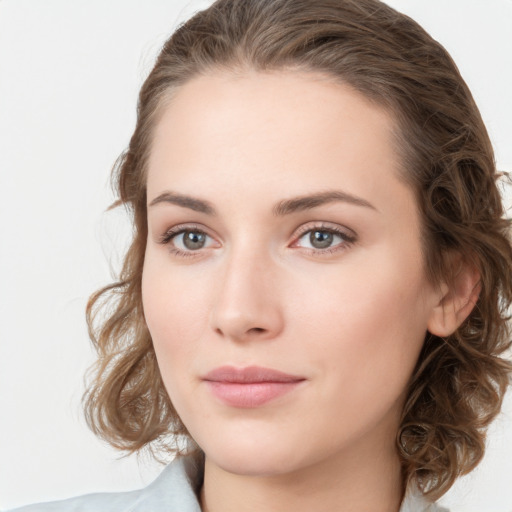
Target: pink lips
[(251, 386)]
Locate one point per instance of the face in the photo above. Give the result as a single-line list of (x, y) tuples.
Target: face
[(283, 283)]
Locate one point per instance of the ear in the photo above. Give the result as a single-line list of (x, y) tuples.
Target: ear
[(456, 298)]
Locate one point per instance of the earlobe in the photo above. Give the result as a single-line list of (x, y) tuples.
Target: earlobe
[(456, 300)]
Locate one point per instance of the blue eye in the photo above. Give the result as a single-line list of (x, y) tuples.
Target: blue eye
[(321, 239), (184, 241), (191, 240), (324, 239)]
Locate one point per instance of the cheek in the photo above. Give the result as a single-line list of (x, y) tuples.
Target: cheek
[(365, 328), (176, 313), (363, 297)]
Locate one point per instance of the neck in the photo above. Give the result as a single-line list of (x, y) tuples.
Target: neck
[(357, 479)]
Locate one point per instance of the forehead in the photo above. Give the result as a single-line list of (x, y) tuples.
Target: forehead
[(286, 131)]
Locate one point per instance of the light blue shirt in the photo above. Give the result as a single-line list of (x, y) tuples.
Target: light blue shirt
[(173, 491)]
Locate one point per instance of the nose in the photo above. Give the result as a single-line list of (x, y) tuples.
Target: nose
[(247, 304)]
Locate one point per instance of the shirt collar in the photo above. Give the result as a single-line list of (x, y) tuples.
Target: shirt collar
[(181, 481)]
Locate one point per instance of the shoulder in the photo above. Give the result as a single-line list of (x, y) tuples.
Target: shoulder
[(172, 491), (115, 502)]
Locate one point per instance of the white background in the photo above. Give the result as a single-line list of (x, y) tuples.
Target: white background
[(70, 71)]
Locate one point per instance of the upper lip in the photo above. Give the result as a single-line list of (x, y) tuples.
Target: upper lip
[(249, 374)]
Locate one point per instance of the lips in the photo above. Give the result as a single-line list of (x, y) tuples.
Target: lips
[(249, 387)]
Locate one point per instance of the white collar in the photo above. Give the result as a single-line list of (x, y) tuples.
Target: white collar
[(414, 501)]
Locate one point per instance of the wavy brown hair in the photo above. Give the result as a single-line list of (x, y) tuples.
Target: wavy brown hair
[(458, 385)]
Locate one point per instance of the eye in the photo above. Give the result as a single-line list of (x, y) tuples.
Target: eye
[(325, 239), (184, 241), (191, 240)]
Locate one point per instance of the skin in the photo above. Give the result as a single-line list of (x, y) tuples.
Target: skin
[(350, 318)]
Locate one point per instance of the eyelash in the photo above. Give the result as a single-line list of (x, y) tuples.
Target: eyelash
[(348, 239), (166, 238)]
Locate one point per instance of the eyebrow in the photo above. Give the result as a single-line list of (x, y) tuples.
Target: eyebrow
[(310, 201), (282, 208), (192, 203)]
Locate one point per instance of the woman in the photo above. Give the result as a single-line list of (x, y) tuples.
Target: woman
[(315, 297)]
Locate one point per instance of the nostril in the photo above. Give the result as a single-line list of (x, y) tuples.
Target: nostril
[(257, 329)]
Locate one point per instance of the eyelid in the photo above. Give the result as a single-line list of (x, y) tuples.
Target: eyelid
[(167, 237), (168, 234), (326, 226), (348, 236)]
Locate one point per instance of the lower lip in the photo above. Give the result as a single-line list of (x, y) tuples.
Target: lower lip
[(251, 394)]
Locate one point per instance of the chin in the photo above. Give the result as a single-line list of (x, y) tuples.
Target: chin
[(260, 464), (254, 456)]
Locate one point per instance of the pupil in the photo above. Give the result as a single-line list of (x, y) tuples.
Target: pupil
[(320, 239), (193, 240)]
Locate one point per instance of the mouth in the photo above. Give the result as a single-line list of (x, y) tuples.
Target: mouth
[(249, 387)]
